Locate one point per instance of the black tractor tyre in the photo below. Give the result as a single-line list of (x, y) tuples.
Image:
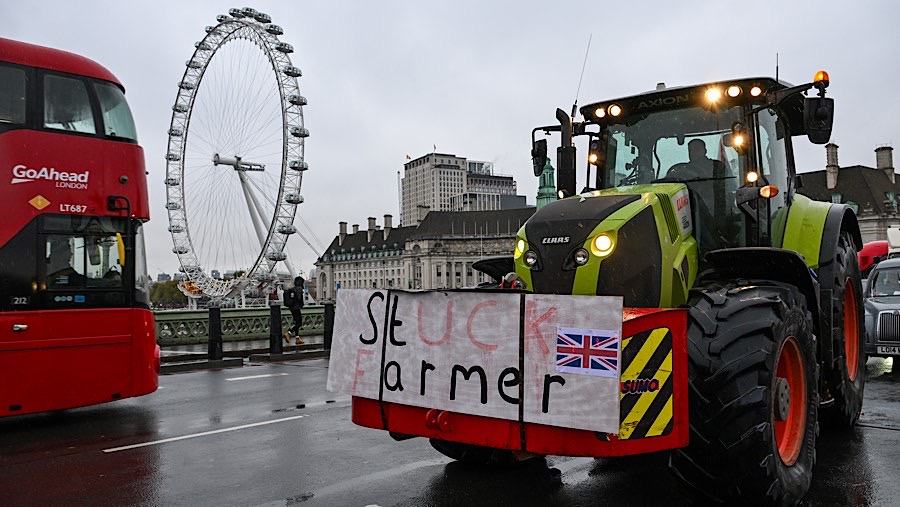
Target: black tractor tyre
[(753, 396), (845, 378), (477, 455)]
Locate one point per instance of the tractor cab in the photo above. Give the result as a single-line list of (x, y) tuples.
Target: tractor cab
[(728, 142)]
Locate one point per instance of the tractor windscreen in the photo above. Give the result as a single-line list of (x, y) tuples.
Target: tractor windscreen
[(672, 145)]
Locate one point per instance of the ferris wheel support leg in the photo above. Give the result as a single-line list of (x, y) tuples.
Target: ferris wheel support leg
[(291, 270), (253, 205), (253, 208)]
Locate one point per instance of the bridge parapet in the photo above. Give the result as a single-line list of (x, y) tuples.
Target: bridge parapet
[(188, 327)]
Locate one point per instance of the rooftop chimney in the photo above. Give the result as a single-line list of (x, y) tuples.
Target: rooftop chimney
[(343, 233), (831, 165), (355, 228), (371, 228), (884, 160), (388, 225)]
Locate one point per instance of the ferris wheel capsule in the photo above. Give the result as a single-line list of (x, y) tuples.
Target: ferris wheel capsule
[(292, 71), (293, 199), (297, 100)]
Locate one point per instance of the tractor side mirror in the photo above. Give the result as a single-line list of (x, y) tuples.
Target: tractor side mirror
[(539, 156), (818, 116)]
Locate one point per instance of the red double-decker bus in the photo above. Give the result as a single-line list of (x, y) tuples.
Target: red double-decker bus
[(75, 321)]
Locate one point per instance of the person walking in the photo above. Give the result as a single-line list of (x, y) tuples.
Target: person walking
[(293, 300)]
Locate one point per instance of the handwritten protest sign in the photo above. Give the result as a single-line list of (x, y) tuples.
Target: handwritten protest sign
[(555, 357)]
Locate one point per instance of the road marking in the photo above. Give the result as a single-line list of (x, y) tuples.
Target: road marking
[(203, 434), (377, 477), (258, 376)]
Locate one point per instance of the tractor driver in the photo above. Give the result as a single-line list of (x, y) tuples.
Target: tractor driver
[(712, 183), (698, 164)]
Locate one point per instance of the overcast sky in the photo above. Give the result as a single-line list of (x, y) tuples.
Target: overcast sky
[(388, 79)]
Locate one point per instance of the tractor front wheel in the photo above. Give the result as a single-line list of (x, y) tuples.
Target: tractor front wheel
[(753, 395), (845, 378)]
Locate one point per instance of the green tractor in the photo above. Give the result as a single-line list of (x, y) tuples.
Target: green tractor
[(691, 200)]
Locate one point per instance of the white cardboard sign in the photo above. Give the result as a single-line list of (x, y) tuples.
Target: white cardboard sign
[(483, 353)]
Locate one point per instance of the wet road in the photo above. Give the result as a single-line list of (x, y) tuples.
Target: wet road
[(271, 435)]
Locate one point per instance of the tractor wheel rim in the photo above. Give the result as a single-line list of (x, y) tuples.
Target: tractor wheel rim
[(851, 331), (790, 430)]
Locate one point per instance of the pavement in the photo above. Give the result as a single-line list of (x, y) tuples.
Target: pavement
[(181, 358)]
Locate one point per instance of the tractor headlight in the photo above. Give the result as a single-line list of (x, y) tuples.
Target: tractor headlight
[(603, 245), (531, 259), (520, 248)]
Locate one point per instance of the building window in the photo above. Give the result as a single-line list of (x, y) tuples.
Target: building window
[(836, 198)]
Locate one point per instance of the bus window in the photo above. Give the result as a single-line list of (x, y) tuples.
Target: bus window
[(141, 274), (12, 95), (65, 269), (67, 106), (103, 268), (117, 119), (86, 257)]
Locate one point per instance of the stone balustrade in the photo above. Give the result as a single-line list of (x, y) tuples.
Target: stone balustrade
[(187, 327)]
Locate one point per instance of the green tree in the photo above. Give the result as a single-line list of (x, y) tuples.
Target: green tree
[(167, 293)]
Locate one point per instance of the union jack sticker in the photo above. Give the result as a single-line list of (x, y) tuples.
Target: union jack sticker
[(587, 351)]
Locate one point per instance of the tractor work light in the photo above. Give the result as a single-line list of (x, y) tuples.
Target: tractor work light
[(752, 177), (520, 248), (600, 112), (594, 151), (733, 91), (615, 110), (602, 245), (738, 141), (713, 95), (821, 77), (755, 91), (531, 259)]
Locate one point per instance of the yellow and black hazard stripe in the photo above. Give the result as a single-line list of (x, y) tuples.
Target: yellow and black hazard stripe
[(645, 397)]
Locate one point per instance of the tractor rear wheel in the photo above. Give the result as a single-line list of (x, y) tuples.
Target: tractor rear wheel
[(845, 378), (753, 395)]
